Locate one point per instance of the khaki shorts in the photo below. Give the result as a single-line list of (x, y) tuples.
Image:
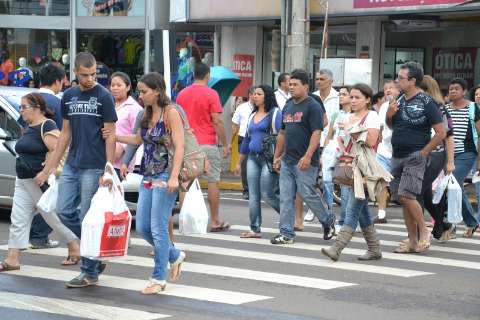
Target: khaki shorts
[(215, 163)]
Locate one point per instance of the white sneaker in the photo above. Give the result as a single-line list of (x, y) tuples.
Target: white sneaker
[(309, 216)]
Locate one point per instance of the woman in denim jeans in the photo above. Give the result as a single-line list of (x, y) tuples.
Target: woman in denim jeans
[(262, 181), (338, 137), (466, 127), (357, 209), (159, 189)]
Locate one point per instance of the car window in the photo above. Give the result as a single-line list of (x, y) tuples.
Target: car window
[(9, 124)]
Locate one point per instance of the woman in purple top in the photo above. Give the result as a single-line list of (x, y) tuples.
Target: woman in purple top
[(266, 118)]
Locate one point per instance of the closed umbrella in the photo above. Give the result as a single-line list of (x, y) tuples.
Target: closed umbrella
[(224, 81)]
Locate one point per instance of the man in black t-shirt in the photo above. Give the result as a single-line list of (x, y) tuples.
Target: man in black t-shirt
[(296, 157), (411, 118), (86, 110)]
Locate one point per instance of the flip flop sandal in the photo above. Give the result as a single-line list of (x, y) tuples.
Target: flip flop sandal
[(7, 267), (405, 249), (298, 229), (71, 261), (224, 226), (250, 234), (470, 231), (155, 287), (423, 246)]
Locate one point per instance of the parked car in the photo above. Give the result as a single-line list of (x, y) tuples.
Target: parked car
[(9, 121)]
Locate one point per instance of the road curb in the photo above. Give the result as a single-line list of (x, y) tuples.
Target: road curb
[(224, 185)]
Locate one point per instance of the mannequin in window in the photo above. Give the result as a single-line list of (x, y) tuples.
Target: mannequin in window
[(22, 75), (6, 67)]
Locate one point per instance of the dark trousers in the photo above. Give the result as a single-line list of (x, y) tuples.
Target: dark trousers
[(243, 167), (39, 231), (436, 163)]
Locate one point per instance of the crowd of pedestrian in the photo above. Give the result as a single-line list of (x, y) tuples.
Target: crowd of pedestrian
[(297, 147)]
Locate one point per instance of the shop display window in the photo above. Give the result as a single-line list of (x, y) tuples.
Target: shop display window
[(24, 51), (396, 57), (35, 7), (190, 47), (106, 8), (115, 51)]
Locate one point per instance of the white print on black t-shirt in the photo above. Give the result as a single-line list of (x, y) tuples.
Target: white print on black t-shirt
[(89, 108), (289, 118), (414, 114)]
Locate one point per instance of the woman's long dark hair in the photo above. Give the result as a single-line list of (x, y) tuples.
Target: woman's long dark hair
[(154, 81), (269, 95), (36, 101)]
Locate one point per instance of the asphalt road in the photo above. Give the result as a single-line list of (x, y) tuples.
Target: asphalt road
[(226, 277)]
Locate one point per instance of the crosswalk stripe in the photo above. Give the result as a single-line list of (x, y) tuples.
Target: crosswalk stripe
[(278, 278), (351, 251), (399, 226), (355, 239), (406, 273), (405, 234), (177, 290), (71, 308)]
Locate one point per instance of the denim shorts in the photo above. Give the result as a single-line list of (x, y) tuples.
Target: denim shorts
[(408, 175)]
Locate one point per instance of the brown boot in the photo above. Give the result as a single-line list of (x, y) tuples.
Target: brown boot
[(373, 252), (343, 238)]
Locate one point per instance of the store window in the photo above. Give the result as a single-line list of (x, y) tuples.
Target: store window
[(190, 47), (119, 51), (450, 50), (24, 51), (36, 7), (105, 8)]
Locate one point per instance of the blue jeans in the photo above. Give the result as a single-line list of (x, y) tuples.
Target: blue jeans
[(357, 211), (39, 231), (293, 180), (463, 164), (77, 187), (261, 185), (345, 194), (153, 212)]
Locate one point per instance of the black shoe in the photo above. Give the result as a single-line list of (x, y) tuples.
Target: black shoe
[(329, 232), (82, 281), (101, 267), (377, 220), (245, 195), (279, 239)]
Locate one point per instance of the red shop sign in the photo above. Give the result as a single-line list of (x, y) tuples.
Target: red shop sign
[(243, 67), (449, 63), (362, 4)]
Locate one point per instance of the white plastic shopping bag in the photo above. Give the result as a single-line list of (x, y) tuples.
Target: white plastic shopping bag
[(193, 215), (106, 226), (454, 195), (439, 187), (48, 200)]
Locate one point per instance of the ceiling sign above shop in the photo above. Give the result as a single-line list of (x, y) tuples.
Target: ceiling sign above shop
[(362, 4)]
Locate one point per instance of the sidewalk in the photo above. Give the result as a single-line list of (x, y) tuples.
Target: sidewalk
[(228, 181)]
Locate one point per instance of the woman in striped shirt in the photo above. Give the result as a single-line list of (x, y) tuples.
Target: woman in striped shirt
[(466, 126)]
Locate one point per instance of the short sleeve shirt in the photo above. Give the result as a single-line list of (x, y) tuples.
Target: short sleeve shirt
[(462, 128), (412, 124), (87, 112), (241, 116), (32, 150), (299, 122), (199, 102)]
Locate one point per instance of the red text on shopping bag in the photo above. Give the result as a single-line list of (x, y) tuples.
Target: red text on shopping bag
[(115, 234)]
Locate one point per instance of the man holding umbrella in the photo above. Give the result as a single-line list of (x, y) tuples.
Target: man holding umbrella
[(203, 108)]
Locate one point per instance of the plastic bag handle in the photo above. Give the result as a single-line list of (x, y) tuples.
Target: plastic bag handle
[(115, 179)]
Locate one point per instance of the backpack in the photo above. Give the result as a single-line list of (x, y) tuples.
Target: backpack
[(195, 161), (269, 142)]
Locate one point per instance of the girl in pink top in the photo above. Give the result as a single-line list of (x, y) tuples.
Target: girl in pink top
[(127, 109)]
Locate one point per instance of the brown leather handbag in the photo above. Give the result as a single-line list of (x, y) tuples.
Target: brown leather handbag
[(343, 173)]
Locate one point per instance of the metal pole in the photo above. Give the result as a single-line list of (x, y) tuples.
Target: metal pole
[(166, 61), (283, 34), (297, 50), (73, 38), (146, 60)]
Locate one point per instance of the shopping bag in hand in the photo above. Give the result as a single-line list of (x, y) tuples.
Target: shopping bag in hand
[(440, 187), (193, 215), (106, 226), (454, 194), (48, 200)]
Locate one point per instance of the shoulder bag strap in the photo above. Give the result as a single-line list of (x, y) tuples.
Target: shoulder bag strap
[(250, 118)]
